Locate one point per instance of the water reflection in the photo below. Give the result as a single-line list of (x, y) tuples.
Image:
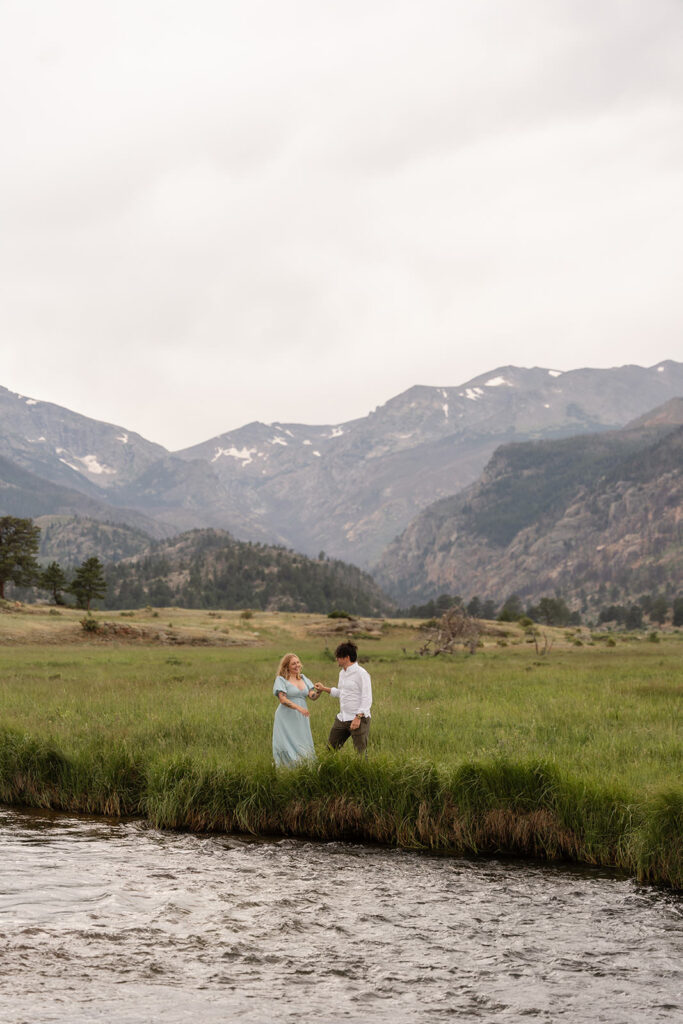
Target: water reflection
[(122, 923)]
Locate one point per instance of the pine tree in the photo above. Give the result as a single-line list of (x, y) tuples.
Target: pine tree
[(54, 579), (18, 549), (89, 583)]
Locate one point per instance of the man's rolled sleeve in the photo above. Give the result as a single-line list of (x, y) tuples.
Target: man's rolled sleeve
[(365, 696)]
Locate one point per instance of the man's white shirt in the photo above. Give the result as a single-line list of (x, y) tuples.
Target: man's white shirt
[(354, 692)]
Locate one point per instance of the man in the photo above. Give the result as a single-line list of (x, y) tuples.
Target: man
[(355, 700)]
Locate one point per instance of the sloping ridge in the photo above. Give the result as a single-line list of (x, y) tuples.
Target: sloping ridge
[(26, 495), (570, 516)]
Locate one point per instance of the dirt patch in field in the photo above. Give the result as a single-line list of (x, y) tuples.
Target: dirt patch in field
[(362, 629)]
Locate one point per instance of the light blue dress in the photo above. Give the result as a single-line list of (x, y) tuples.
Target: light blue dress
[(292, 739)]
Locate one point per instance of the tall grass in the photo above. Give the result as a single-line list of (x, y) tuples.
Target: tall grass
[(576, 756)]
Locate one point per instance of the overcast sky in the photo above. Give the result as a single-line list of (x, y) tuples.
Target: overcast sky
[(216, 212)]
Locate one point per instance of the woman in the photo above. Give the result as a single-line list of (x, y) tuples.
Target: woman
[(292, 739)]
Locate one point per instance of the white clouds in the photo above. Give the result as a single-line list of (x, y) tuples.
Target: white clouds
[(223, 199)]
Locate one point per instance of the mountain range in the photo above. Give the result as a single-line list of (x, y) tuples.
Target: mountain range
[(347, 488)]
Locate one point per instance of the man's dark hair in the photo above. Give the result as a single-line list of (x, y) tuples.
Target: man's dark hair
[(347, 650)]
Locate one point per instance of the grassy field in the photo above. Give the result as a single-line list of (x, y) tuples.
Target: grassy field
[(572, 754)]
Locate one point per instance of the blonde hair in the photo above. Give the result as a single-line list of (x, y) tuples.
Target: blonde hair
[(283, 668)]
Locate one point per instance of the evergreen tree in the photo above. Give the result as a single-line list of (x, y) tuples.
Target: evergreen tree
[(18, 550), (54, 579), (634, 617), (511, 610), (553, 611), (659, 610), (89, 583)]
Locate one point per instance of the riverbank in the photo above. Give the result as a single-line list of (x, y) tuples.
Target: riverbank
[(572, 755)]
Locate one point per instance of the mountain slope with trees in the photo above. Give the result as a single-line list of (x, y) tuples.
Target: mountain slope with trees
[(210, 569), (597, 516), (71, 539)]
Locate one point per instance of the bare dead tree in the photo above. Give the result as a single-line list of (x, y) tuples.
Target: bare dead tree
[(454, 628), (547, 645)]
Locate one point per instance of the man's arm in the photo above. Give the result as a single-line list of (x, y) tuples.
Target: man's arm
[(365, 698), (332, 690)]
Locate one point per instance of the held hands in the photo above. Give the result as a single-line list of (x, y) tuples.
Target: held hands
[(319, 688), (305, 712)]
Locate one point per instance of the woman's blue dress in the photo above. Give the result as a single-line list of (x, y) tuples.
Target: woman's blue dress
[(292, 739)]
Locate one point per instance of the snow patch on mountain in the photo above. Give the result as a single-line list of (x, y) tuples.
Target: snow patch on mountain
[(93, 466), (278, 440), (495, 382), (245, 455), (555, 373), (88, 462)]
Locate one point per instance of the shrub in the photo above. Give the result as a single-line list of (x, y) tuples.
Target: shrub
[(89, 624), (336, 613)]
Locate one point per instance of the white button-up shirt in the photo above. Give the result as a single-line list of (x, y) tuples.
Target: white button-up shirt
[(354, 692)]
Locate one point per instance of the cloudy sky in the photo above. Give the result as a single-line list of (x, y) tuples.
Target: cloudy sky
[(225, 210)]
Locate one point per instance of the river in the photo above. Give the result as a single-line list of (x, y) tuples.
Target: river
[(119, 922)]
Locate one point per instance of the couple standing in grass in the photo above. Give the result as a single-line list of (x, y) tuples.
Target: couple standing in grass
[(292, 739)]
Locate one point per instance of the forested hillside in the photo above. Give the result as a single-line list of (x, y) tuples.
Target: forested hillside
[(210, 569)]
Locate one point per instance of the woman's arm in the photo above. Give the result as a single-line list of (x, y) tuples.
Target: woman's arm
[(313, 694), (282, 697)]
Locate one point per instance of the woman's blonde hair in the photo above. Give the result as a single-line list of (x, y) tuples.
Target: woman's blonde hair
[(283, 669)]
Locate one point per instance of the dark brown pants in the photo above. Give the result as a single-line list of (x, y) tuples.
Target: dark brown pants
[(340, 732)]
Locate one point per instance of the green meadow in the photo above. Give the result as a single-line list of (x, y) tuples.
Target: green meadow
[(573, 754)]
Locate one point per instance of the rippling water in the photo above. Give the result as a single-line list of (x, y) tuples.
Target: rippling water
[(122, 923)]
